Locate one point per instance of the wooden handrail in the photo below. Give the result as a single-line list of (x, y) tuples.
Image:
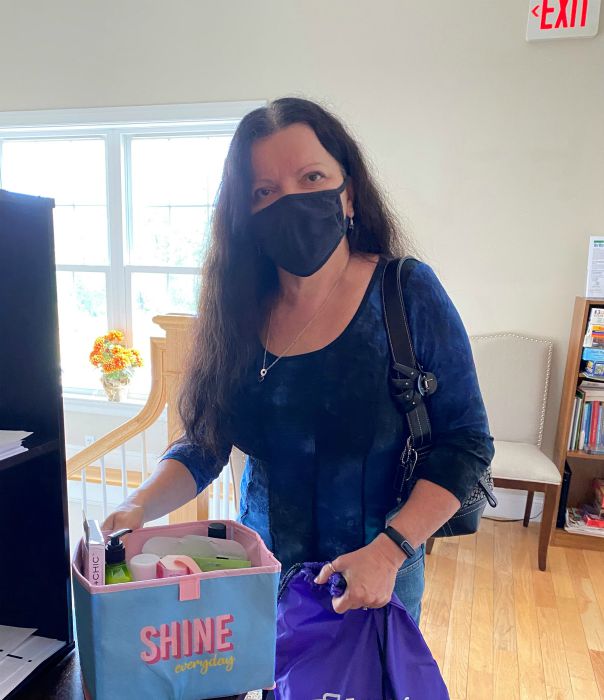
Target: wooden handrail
[(168, 360), (133, 427)]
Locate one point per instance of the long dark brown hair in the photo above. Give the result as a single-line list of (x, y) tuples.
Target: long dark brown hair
[(236, 280)]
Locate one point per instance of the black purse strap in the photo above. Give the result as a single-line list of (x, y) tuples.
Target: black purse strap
[(409, 383)]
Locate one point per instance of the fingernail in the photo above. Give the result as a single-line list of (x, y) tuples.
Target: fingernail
[(317, 580)]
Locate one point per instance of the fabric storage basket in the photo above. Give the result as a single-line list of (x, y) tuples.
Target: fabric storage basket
[(190, 637)]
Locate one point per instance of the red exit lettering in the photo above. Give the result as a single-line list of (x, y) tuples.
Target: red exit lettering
[(567, 13)]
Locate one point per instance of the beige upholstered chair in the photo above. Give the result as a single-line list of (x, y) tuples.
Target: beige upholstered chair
[(513, 372)]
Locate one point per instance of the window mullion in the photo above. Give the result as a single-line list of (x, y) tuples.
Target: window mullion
[(126, 142), (117, 303)]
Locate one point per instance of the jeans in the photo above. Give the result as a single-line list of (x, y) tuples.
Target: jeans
[(409, 583)]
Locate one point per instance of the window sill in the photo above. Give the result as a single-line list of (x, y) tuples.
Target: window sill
[(100, 405)]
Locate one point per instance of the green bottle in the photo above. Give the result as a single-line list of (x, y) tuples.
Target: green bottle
[(116, 570)]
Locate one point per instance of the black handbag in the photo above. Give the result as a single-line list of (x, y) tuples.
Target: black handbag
[(409, 384)]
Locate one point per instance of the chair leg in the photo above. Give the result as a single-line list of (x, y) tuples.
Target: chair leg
[(529, 506), (550, 499), (429, 544)]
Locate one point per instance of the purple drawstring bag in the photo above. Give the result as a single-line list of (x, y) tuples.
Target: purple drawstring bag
[(375, 654)]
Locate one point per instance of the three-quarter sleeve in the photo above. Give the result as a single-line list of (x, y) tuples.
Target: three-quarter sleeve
[(462, 447), (204, 465)]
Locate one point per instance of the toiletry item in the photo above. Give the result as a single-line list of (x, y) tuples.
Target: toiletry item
[(94, 552), (220, 563), (194, 546), (189, 562), (168, 567), (116, 570), (144, 566), (200, 546), (161, 546), (176, 565), (217, 530)]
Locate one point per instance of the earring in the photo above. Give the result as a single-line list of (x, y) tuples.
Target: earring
[(350, 224)]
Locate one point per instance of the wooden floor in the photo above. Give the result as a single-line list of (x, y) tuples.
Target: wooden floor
[(500, 628)]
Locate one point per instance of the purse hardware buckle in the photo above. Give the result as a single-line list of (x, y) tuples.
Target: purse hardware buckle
[(427, 384), (408, 459)]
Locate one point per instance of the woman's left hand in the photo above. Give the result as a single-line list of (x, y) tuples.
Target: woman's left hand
[(370, 575)]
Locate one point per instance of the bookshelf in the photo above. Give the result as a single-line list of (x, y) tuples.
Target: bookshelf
[(35, 592), (585, 467)]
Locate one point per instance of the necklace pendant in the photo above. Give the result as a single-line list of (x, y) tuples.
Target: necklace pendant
[(263, 373)]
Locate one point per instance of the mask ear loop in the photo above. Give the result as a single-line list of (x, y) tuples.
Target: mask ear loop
[(341, 188)]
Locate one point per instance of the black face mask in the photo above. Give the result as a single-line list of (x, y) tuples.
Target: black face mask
[(299, 232)]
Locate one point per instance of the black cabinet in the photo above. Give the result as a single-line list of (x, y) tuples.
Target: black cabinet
[(35, 588)]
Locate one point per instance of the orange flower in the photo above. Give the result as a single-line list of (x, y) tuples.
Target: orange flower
[(111, 356), (116, 336)]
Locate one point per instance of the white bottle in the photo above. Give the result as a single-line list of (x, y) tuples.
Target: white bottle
[(143, 567)]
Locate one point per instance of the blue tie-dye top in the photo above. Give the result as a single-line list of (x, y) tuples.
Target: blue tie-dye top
[(324, 436)]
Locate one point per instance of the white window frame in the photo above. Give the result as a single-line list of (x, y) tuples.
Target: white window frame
[(118, 126)]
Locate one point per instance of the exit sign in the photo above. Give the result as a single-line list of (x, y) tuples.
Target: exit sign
[(560, 19)]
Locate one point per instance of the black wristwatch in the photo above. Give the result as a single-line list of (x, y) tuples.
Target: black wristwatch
[(399, 541)]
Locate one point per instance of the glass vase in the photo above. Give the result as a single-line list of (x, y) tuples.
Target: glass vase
[(115, 389)]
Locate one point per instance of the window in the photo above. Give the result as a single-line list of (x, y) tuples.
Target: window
[(134, 190), (72, 171)]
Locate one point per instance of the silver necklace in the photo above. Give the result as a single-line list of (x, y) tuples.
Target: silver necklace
[(264, 371)]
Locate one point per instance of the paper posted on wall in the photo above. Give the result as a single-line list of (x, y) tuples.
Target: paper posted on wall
[(595, 268)]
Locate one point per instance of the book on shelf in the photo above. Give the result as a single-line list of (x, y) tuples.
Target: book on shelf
[(594, 335), (585, 423), (593, 354), (576, 420), (594, 389), (594, 370), (586, 432)]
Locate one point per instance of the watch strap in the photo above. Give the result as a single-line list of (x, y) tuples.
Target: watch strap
[(400, 541)]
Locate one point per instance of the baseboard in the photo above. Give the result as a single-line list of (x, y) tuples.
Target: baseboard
[(512, 504)]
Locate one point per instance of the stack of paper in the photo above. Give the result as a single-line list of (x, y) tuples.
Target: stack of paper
[(20, 652), (10, 442), (575, 523)]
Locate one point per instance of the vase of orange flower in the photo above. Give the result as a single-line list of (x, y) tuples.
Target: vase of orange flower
[(116, 362)]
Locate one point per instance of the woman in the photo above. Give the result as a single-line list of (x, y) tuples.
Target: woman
[(291, 364)]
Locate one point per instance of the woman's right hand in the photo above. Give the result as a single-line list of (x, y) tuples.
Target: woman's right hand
[(170, 486), (127, 515)]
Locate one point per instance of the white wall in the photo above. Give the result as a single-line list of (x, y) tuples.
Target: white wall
[(491, 148)]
